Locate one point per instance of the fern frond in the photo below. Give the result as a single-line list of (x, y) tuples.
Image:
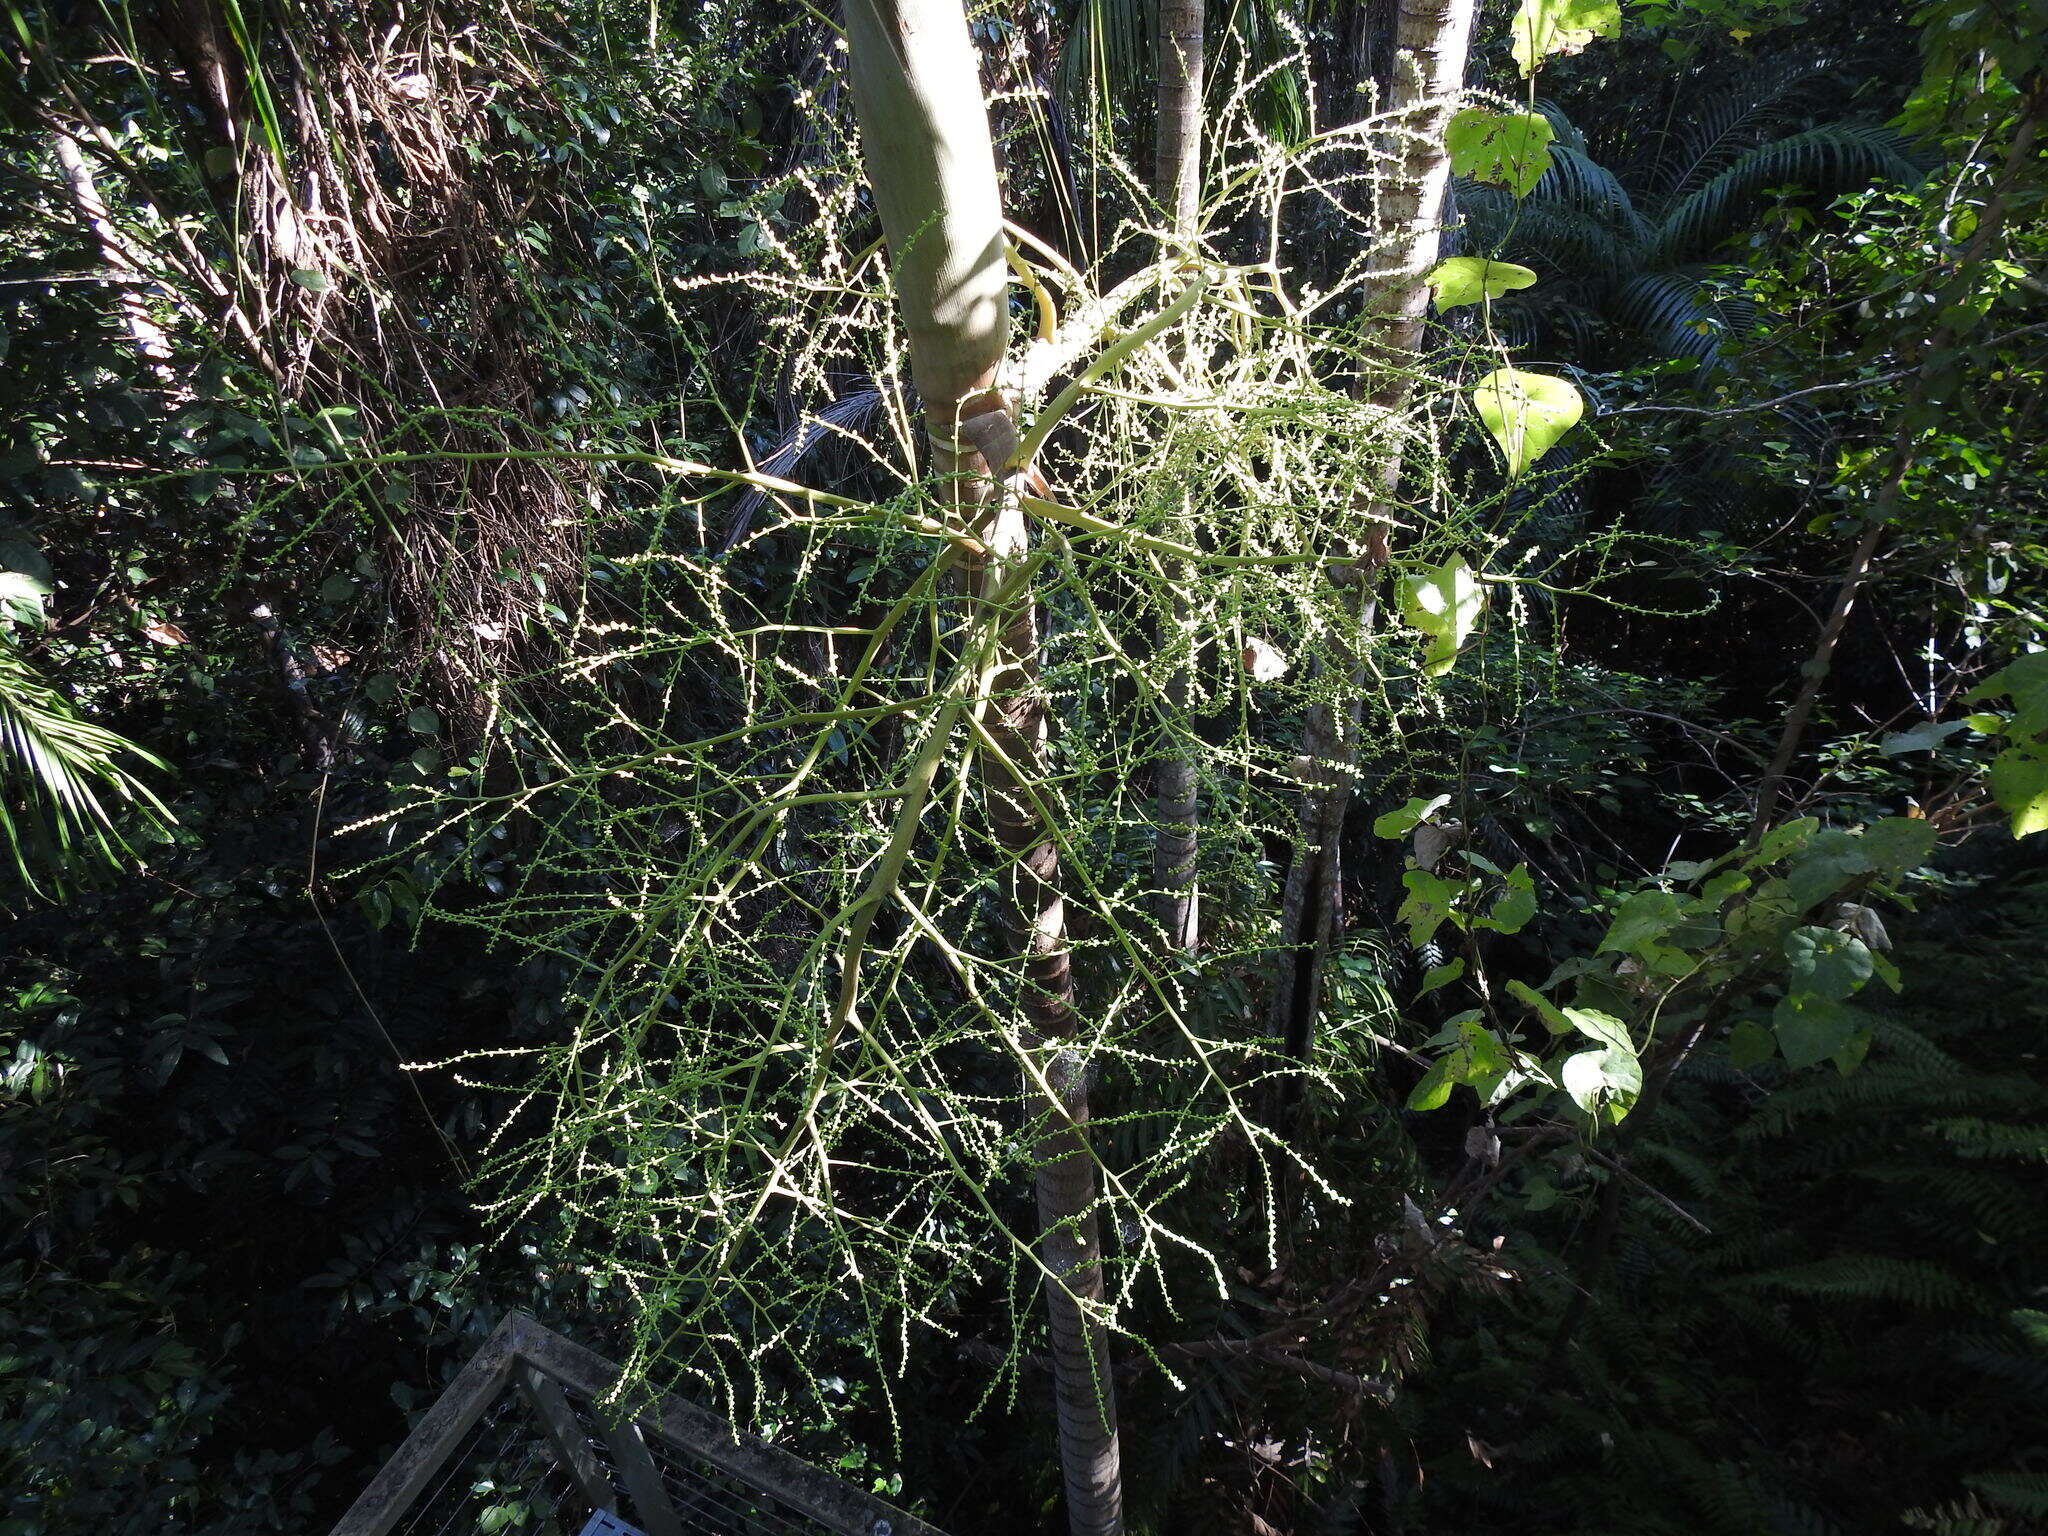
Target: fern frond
[(1973, 1137), (2024, 1493), (1870, 1277)]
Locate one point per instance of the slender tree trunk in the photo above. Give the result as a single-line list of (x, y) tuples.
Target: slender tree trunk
[(1905, 447), (1177, 178), (924, 131), (1429, 70), (142, 329)]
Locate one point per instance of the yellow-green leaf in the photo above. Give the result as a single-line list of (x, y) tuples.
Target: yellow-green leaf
[(1444, 602), (1468, 279), (2019, 783), (1509, 149), (1544, 27), (1526, 413)]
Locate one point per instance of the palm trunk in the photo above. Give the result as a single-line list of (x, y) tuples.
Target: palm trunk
[(1177, 178), (1429, 69), (924, 131)]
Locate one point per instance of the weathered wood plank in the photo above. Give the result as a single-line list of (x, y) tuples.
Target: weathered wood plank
[(434, 1439), (701, 1434), (642, 1479), (572, 1446)]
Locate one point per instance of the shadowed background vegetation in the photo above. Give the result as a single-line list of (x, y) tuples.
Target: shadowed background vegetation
[(346, 568)]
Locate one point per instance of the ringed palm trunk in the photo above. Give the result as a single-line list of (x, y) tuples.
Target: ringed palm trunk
[(924, 133), (1431, 44), (1177, 182)]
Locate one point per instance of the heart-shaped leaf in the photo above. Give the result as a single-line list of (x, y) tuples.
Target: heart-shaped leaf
[(1508, 149), (2019, 783), (1543, 27), (1811, 1029), (1399, 823), (1526, 413)]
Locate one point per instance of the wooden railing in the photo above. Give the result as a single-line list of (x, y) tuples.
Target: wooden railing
[(670, 1467)]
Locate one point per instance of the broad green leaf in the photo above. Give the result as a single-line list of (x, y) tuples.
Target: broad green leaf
[(1476, 1058), (1400, 823), (2019, 783), (1440, 976), (1604, 1027), (2026, 681), (1515, 906), (1750, 1045), (21, 597), (1469, 279), (1508, 149), (1827, 963), (1898, 844), (1526, 413), (1830, 861), (1544, 27), (1436, 1085), (1428, 904), (1444, 603), (1603, 1078), (1644, 918), (1716, 892), (1552, 1015), (1924, 737), (1810, 1029), (1850, 1056), (1782, 840)]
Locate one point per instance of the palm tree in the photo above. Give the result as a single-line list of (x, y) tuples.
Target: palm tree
[(925, 137), (1634, 250)]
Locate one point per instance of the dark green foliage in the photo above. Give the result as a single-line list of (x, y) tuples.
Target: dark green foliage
[(1858, 1342)]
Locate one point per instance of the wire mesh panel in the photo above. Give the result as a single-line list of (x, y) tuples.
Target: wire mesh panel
[(520, 1444), (704, 1499), (502, 1475)]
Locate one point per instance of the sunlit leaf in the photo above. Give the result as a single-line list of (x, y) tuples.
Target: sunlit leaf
[(1508, 149), (1544, 27), (1526, 413), (1468, 279)]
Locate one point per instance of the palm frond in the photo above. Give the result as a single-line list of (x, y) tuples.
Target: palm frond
[(1577, 181), (1836, 157), (63, 780), (1553, 237), (1107, 54), (1683, 314), (1714, 132)]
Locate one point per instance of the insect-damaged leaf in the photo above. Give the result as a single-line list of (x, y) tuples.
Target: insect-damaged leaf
[(1526, 413), (1509, 149), (1543, 27)]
